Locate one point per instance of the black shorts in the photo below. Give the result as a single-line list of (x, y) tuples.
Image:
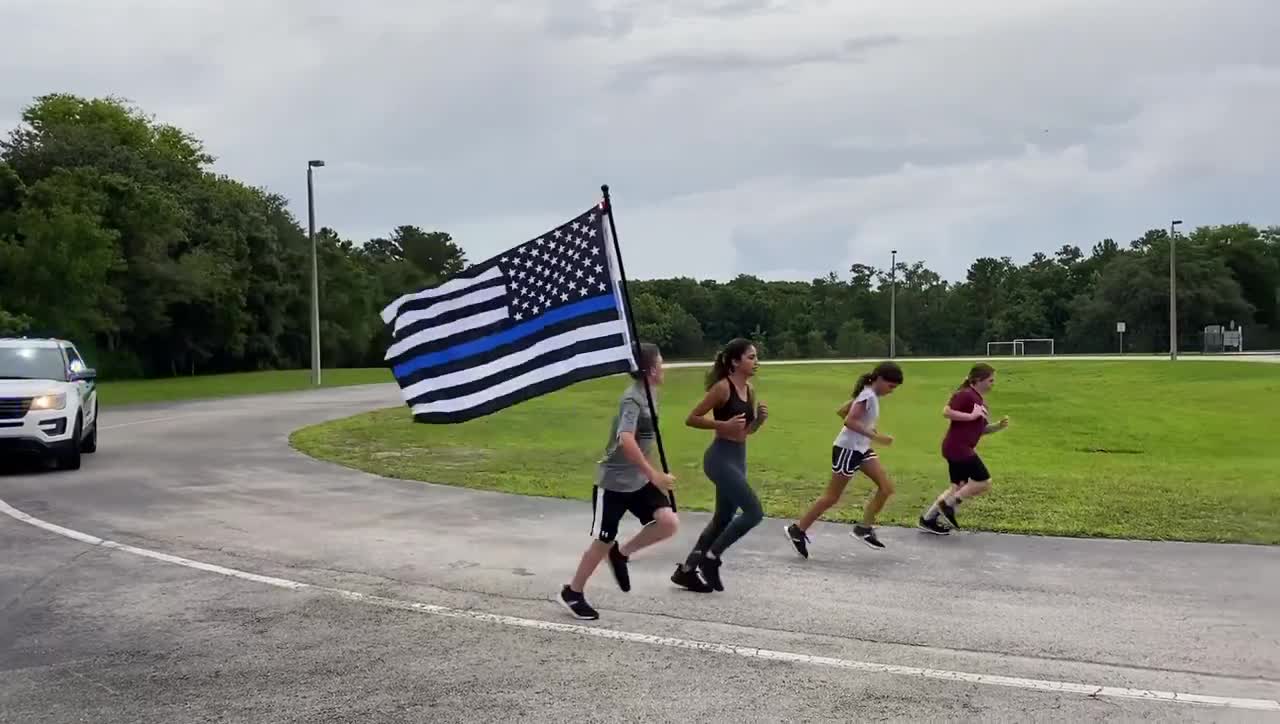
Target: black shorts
[(846, 462), (969, 469), (608, 507)]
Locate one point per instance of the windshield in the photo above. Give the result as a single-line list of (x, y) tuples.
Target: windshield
[(31, 363)]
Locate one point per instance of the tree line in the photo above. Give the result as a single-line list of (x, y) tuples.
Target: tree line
[(1228, 273), (116, 233)]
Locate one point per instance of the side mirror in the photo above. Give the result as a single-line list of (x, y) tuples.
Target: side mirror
[(84, 373)]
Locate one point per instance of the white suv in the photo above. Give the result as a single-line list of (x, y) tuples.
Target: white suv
[(48, 400)]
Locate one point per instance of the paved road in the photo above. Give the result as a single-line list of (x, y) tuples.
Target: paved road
[(391, 624)]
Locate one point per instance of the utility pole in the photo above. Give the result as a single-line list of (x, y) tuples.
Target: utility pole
[(893, 304), (315, 278), (1173, 289)]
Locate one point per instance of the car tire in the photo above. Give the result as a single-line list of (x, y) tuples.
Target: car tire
[(70, 458), (90, 444)]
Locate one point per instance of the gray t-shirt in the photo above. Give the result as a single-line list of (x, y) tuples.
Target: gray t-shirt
[(615, 472)]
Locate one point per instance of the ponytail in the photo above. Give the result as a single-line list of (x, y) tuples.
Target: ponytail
[(719, 370), (726, 360), (977, 373), (884, 371), (865, 379)]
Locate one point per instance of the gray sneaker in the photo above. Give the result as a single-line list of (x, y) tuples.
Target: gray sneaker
[(932, 526)]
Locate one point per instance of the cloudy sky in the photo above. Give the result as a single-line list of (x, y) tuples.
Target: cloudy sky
[(779, 138)]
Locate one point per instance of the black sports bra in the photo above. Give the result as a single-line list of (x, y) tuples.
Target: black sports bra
[(734, 406)]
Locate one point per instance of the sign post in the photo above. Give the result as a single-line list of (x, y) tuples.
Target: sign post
[(1120, 327)]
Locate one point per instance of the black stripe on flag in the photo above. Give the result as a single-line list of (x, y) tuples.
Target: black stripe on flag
[(423, 303), (525, 393), (452, 315), (543, 360), (551, 330)]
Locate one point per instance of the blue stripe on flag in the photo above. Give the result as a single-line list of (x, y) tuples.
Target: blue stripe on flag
[(507, 336)]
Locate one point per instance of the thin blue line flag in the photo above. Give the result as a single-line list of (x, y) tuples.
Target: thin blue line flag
[(531, 320)]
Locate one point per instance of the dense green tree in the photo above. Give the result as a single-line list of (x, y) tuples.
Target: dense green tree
[(115, 231)]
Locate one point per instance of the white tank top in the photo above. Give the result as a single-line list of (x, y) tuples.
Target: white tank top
[(851, 440)]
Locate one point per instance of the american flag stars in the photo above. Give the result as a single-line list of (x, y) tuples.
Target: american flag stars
[(525, 322), (565, 266)]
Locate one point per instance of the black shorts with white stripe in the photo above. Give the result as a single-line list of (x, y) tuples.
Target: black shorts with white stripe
[(846, 462), (608, 507)]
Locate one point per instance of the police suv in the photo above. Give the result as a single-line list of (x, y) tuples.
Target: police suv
[(48, 400)]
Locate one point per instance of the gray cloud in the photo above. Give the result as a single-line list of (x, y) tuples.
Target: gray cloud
[(731, 8), (573, 22), (743, 136), (717, 62), (612, 20)]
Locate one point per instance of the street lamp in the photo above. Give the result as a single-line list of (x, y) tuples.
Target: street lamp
[(315, 278), (893, 303), (1173, 290)]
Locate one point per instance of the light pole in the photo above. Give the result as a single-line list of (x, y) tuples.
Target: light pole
[(315, 277), (1173, 290), (893, 303)]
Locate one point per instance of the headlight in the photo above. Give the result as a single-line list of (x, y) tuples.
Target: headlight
[(49, 402)]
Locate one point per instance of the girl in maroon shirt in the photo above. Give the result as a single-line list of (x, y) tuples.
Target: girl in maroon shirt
[(969, 418)]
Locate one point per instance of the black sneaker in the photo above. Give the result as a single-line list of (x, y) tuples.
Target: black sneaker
[(710, 568), (690, 580), (577, 604), (618, 563), (868, 536), (798, 538), (950, 512), (932, 526)]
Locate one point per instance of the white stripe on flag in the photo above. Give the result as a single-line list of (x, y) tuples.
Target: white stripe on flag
[(435, 310), (616, 279), (390, 311), (446, 330), (514, 359), (528, 379)]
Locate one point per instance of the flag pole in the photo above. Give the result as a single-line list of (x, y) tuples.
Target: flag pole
[(635, 340)]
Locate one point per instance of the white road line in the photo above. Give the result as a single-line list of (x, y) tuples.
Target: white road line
[(750, 652), (153, 419)]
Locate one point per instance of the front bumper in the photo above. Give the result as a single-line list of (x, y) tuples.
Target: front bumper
[(41, 431)]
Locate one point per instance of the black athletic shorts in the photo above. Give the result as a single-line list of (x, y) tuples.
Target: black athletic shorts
[(608, 507), (963, 471), (846, 462)]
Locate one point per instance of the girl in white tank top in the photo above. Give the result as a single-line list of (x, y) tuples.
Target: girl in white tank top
[(852, 451)]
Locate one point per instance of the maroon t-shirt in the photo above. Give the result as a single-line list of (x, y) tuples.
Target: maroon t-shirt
[(961, 440)]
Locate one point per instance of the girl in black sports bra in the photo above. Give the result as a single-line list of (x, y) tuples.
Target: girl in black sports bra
[(731, 400), (733, 407)]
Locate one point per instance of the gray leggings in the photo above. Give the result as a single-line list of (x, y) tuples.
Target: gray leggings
[(725, 463)]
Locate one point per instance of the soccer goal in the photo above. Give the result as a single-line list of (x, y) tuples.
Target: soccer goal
[(1039, 346), (1219, 339), (1005, 349), (1036, 346)]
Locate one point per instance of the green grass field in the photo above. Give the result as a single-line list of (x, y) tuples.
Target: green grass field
[(248, 383), (1147, 450)]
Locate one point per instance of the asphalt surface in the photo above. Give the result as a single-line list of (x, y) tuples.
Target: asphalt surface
[(91, 633)]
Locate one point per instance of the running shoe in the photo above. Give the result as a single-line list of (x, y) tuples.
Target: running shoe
[(799, 539), (868, 536), (950, 512), (618, 564), (577, 604), (932, 526), (710, 568), (690, 580)]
